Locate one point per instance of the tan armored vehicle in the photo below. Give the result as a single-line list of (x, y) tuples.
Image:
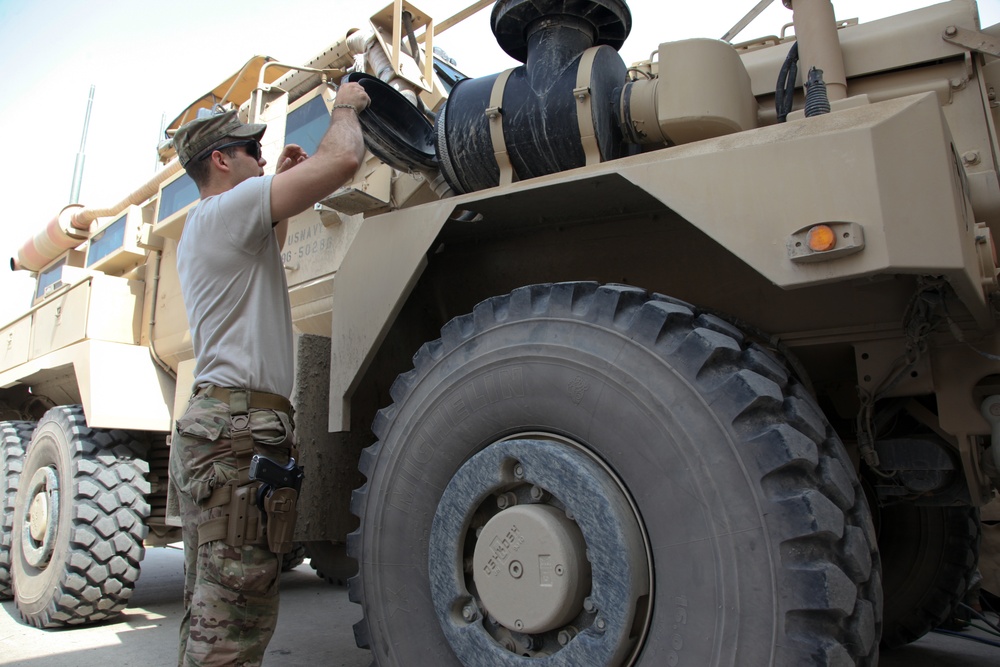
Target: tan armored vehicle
[(690, 361)]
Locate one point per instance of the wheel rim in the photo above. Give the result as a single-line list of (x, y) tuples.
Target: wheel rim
[(42, 518), (537, 551)]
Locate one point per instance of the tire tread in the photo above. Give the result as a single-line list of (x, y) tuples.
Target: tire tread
[(828, 573), (109, 524), (14, 439)]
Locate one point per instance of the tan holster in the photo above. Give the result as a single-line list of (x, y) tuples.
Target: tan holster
[(281, 513), (242, 521)]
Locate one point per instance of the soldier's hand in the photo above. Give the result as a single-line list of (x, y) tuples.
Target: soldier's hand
[(352, 93)]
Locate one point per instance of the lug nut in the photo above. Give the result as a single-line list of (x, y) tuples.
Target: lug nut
[(469, 612), (566, 635)]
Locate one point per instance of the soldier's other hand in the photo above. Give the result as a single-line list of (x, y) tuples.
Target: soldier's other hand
[(291, 155)]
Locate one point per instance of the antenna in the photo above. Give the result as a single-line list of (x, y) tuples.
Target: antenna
[(159, 138), (74, 193)]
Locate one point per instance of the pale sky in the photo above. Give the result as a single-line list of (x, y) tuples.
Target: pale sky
[(149, 60)]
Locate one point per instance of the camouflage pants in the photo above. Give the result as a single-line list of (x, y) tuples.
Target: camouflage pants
[(230, 593)]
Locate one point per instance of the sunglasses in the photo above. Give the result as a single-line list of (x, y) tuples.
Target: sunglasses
[(252, 148)]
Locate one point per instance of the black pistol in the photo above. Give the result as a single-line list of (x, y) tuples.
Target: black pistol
[(275, 476)]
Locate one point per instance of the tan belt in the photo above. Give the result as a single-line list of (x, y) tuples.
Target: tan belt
[(255, 399)]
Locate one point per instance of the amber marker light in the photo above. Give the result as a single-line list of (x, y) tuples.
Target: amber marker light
[(821, 238)]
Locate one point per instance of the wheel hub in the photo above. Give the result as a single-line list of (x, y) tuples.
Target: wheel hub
[(42, 518), (38, 516), (530, 568), (561, 572)]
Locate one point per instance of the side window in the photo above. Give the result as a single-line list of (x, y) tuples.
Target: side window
[(49, 276), (176, 196), (306, 125), (107, 241)]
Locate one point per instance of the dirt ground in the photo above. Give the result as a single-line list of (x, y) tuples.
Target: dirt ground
[(314, 629)]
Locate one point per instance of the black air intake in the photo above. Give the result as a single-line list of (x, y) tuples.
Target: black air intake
[(558, 111), (527, 122)]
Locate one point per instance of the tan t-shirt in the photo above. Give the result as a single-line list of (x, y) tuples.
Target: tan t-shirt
[(235, 292)]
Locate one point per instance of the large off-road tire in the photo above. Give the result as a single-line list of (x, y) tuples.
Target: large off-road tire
[(14, 439), (292, 559), (79, 521), (596, 476), (929, 557), (331, 562)]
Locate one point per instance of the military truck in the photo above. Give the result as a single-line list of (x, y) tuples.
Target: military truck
[(686, 361)]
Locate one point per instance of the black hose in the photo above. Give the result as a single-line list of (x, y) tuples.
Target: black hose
[(784, 92), (411, 38)]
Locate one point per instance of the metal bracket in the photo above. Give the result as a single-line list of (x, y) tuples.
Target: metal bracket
[(584, 111), (389, 31), (972, 40), (495, 115)]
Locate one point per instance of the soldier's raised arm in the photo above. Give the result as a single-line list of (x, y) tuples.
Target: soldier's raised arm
[(337, 158)]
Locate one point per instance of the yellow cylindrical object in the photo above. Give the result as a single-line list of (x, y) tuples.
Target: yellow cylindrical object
[(55, 238), (74, 223)]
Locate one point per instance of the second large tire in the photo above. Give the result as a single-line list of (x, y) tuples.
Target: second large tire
[(14, 439), (79, 521), (929, 557), (331, 562), (649, 435)]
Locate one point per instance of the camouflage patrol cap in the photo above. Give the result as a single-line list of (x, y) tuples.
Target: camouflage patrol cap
[(196, 136)]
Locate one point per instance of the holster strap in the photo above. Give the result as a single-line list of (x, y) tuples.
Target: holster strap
[(241, 438), (221, 495), (213, 529), (241, 522)]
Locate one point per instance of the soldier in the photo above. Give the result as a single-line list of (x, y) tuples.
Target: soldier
[(236, 297)]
